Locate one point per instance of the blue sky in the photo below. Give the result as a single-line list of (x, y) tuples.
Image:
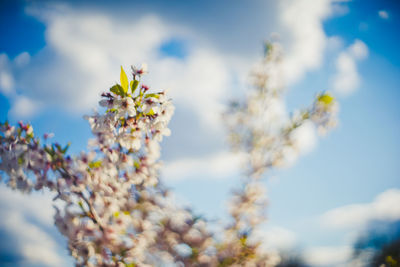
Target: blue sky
[(56, 58)]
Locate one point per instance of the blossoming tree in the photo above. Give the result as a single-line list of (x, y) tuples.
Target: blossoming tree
[(109, 202)]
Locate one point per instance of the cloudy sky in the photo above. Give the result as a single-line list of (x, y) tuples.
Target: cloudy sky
[(56, 57)]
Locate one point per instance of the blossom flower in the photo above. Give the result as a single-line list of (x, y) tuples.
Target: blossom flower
[(137, 72), (110, 204)]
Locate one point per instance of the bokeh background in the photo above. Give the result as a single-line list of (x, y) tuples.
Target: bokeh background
[(56, 57)]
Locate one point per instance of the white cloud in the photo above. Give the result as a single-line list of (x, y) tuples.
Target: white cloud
[(83, 54), (22, 59), (85, 49), (23, 108), (35, 244), (7, 71), (347, 78), (40, 204), (6, 82), (304, 138), (384, 207), (276, 238), (303, 20), (334, 43), (220, 165), (339, 9), (6, 78), (358, 50), (328, 256), (198, 83), (383, 14)]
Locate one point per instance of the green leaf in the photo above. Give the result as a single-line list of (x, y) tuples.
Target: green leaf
[(49, 151), (124, 80), (305, 115), (111, 110), (118, 90), (152, 95), (29, 136), (95, 164), (268, 48), (136, 164), (195, 253), (151, 113), (66, 148), (326, 99), (122, 120), (134, 85), (80, 204), (59, 149), (391, 261), (243, 240)]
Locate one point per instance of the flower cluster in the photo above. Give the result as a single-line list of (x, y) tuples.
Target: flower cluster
[(260, 127), (22, 157), (110, 204)]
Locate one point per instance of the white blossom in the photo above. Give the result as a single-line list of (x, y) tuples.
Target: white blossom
[(110, 204)]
